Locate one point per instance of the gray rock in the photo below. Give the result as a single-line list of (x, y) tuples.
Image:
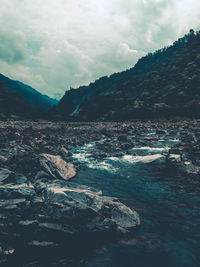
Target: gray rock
[(174, 158), (58, 227), (189, 168), (88, 208), (28, 223), (56, 167), (156, 158), (7, 176), (53, 212), (41, 174), (3, 159), (65, 154), (4, 174), (16, 191), (36, 243)]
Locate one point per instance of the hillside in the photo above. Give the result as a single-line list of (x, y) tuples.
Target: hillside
[(165, 83), (18, 99)]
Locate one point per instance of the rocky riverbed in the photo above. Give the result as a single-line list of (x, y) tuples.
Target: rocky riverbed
[(48, 207)]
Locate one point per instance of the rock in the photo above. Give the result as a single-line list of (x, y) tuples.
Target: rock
[(174, 158), (65, 154), (56, 167), (6, 176), (157, 158), (16, 191), (37, 243), (86, 207), (189, 168), (41, 174), (57, 227), (3, 159), (28, 223), (11, 203), (55, 211)]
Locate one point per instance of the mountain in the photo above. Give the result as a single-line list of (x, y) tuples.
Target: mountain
[(19, 99), (164, 83)]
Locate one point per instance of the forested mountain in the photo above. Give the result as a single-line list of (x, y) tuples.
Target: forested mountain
[(18, 99), (164, 83)]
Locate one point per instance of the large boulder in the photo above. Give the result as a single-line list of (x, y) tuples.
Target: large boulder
[(56, 167), (58, 213), (86, 208)]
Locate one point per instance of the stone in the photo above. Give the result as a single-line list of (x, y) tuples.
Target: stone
[(7, 176), (4, 174), (28, 223), (56, 167), (86, 207), (41, 174), (57, 227), (16, 191), (65, 154), (174, 158), (3, 159), (37, 243), (157, 158)]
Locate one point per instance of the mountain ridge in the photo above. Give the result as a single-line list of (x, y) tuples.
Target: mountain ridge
[(20, 100), (163, 83)]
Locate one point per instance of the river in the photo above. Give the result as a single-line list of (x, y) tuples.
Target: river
[(169, 235)]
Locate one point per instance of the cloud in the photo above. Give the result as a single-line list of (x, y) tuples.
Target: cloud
[(12, 46), (12, 39), (53, 45)]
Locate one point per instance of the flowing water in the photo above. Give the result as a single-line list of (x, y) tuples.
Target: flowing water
[(169, 235)]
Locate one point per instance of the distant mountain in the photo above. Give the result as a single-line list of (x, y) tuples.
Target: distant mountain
[(19, 99), (165, 83)]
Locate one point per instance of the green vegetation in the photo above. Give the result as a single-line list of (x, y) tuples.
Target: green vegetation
[(164, 83), (22, 101)]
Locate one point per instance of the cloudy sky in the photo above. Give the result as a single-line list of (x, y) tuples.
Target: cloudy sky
[(54, 44)]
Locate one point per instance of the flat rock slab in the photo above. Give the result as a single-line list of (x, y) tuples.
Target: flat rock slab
[(89, 210), (56, 167)]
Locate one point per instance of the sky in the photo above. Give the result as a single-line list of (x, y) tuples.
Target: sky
[(53, 45)]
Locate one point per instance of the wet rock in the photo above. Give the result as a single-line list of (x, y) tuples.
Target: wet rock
[(156, 158), (174, 158), (41, 174), (16, 191), (65, 154), (55, 211), (57, 227), (4, 174), (3, 159), (189, 168), (28, 223), (86, 207), (56, 167), (37, 243)]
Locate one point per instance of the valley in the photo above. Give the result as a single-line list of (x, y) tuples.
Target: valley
[(149, 169)]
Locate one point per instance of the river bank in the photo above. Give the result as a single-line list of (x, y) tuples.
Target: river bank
[(151, 165)]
